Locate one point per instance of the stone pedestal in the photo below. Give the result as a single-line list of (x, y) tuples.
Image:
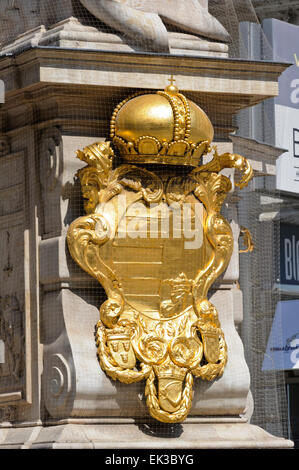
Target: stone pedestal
[(72, 33), (196, 434), (52, 390)]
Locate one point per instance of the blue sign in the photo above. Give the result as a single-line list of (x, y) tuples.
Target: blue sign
[(282, 351)]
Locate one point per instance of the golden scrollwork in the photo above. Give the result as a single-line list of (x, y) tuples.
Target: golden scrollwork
[(248, 241), (157, 323)]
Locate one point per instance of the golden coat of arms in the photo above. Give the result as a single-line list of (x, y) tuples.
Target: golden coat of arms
[(154, 238)]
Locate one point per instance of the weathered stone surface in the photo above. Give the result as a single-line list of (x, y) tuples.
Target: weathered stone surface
[(12, 321), (17, 17), (143, 18)]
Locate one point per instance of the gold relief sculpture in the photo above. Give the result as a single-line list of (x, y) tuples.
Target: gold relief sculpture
[(157, 323)]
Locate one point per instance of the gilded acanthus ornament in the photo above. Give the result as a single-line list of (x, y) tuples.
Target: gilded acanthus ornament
[(157, 323)]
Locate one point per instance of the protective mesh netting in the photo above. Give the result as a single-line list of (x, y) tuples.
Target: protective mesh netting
[(258, 274), (38, 215)]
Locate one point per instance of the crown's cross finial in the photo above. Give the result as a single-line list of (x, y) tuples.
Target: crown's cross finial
[(172, 88), (171, 80)]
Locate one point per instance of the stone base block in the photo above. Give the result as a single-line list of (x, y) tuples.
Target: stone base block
[(70, 34), (209, 435)]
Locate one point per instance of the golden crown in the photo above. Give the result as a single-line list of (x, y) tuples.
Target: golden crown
[(170, 371), (119, 334), (161, 127)]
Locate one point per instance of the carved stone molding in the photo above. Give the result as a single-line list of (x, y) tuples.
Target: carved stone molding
[(51, 165), (56, 383), (50, 158)]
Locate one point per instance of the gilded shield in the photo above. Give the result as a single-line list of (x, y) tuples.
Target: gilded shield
[(170, 394), (121, 350)]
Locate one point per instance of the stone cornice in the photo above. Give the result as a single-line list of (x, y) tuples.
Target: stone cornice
[(256, 80), (40, 75)]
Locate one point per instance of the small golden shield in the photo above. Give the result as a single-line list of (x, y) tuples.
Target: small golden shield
[(170, 394), (121, 350)]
